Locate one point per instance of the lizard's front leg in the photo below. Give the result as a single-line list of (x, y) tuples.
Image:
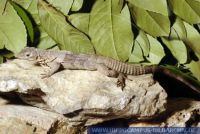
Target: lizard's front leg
[(51, 68)]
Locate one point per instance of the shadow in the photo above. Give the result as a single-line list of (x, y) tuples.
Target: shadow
[(116, 123), (175, 88), (196, 27), (17, 98), (73, 114), (86, 8), (173, 106), (12, 98)]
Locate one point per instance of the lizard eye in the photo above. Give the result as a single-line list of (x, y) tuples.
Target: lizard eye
[(28, 54)]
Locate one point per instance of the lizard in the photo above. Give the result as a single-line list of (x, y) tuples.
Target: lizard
[(108, 66)]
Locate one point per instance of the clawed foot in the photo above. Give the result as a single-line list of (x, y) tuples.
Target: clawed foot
[(121, 84), (45, 74), (121, 81)]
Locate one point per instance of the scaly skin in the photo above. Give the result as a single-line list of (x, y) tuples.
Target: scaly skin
[(69, 60)]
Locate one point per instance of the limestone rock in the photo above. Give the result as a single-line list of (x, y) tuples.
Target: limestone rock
[(71, 100), (183, 112), (18, 119), (84, 96), (180, 112)]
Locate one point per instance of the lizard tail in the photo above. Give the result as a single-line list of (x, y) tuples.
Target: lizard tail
[(131, 69)]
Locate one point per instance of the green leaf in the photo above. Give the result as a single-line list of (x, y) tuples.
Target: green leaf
[(24, 3), (77, 4), (1, 59), (153, 23), (2, 39), (21, 12), (194, 67), (80, 21), (3, 6), (187, 33), (45, 41), (63, 33), (178, 30), (12, 30), (110, 29), (156, 50), (56, 48), (189, 10), (31, 7), (137, 54), (157, 6), (178, 49), (143, 41), (33, 10), (62, 5), (147, 46), (193, 38)]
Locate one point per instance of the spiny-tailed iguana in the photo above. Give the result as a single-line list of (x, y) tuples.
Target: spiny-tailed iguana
[(108, 66)]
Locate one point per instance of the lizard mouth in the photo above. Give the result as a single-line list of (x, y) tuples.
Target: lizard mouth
[(23, 58)]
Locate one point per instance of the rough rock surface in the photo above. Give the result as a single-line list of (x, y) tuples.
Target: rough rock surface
[(18, 119), (71, 100), (180, 112), (83, 95)]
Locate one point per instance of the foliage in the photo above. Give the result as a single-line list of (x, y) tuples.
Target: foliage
[(146, 31)]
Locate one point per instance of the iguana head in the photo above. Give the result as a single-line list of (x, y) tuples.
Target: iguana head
[(28, 53)]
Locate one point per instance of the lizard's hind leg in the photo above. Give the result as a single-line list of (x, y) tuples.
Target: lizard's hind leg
[(106, 71), (121, 80), (112, 73)]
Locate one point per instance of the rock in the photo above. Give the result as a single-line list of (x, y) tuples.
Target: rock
[(87, 97), (18, 119), (180, 112), (77, 99)]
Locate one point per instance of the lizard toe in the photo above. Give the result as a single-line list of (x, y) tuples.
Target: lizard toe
[(43, 75), (120, 83)]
